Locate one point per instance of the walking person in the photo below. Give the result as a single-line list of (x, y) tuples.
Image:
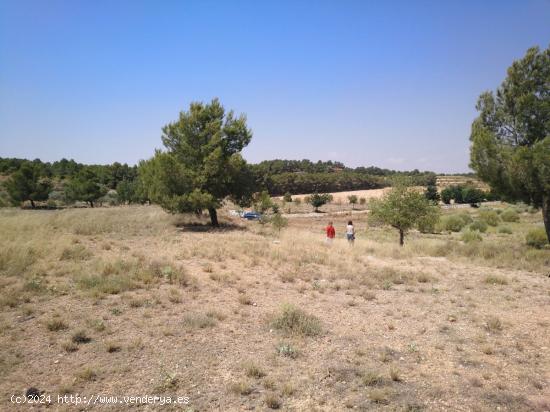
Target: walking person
[(350, 233), (331, 233)]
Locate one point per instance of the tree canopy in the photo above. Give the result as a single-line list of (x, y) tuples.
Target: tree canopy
[(27, 185), (403, 208), (202, 164), (510, 139)]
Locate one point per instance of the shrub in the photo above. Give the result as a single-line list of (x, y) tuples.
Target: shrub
[(287, 197), (352, 199), (489, 216), (452, 223), (536, 238), (279, 222), (362, 201), (509, 215), (295, 321), (504, 229), (56, 325), (471, 236), (478, 225), (428, 224), (466, 218)]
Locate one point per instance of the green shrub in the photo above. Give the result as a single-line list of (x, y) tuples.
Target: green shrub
[(471, 236), (287, 197), (504, 229), (536, 238), (509, 215), (453, 223), (429, 224), (466, 218), (295, 321), (478, 225), (489, 216)]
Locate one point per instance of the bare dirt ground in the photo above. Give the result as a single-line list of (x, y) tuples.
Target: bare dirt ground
[(132, 301)]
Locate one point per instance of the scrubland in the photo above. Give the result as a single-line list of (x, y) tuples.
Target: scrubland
[(134, 301)]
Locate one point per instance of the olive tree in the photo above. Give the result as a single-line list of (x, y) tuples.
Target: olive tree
[(403, 208)]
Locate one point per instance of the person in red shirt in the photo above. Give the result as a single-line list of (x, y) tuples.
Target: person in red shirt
[(331, 233)]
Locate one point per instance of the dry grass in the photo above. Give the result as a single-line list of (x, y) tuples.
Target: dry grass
[(408, 328)]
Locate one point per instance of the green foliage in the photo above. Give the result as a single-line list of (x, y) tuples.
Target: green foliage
[(430, 222), (466, 218), (287, 197), (352, 199), (85, 187), (489, 216), (319, 199), (403, 208), (453, 223), (446, 195), (26, 184), (432, 194), (279, 222), (202, 164), (472, 196), (262, 202), (510, 215), (478, 225), (505, 230), (510, 139), (471, 236), (536, 238)]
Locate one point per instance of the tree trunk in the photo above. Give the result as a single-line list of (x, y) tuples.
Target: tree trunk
[(401, 238), (92, 203), (32, 203), (213, 217), (546, 214)]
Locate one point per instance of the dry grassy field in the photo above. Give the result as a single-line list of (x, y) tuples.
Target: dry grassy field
[(133, 301)]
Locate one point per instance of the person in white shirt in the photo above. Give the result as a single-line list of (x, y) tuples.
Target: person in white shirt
[(350, 232)]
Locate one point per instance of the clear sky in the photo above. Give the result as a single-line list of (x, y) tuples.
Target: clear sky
[(386, 83)]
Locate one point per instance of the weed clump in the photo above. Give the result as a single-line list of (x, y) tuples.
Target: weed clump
[(295, 321)]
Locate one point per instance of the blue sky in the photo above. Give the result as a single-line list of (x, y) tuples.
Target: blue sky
[(386, 83)]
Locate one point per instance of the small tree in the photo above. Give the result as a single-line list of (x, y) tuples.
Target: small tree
[(262, 202), (279, 222), (473, 196), (362, 201), (432, 194), (352, 200), (319, 199), (26, 184), (85, 187), (447, 195), (127, 191), (403, 208)]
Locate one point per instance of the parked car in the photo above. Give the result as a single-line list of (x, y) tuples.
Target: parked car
[(252, 215)]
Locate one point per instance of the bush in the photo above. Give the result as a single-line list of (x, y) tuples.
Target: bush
[(466, 218), (478, 225), (471, 236), (295, 321), (509, 215), (287, 197), (429, 224), (489, 216), (505, 229), (536, 238), (453, 223)]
